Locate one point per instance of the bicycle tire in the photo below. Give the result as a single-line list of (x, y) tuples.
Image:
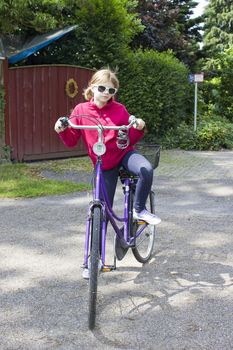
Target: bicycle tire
[(94, 265), (144, 244)]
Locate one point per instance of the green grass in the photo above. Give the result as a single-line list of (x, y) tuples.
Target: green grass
[(62, 165), (25, 180)]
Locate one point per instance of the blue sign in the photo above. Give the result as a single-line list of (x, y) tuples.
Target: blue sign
[(191, 78)]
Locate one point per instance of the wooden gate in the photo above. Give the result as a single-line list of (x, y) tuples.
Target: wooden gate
[(35, 97)]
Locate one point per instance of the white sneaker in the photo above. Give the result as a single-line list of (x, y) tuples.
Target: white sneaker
[(144, 215), (86, 274)]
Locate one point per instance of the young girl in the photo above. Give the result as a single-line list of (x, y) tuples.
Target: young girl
[(102, 106)]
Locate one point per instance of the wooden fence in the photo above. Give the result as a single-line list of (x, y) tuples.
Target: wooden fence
[(35, 97)]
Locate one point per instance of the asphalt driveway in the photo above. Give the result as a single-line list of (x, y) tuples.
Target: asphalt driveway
[(181, 300)]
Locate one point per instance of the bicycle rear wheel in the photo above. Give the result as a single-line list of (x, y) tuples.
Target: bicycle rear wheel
[(145, 242), (94, 265)]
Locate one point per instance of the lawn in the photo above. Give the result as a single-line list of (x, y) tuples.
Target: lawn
[(26, 179)]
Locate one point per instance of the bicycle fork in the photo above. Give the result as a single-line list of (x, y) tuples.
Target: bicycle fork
[(102, 247)]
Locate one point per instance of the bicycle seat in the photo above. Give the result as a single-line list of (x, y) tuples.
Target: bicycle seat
[(125, 174)]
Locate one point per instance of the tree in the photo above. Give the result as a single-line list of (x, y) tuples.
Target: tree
[(218, 28), (104, 28), (168, 26), (28, 17), (219, 89)]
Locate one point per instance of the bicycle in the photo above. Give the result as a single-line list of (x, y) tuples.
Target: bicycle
[(129, 233)]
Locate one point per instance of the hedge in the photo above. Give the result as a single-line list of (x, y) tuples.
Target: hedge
[(154, 87)]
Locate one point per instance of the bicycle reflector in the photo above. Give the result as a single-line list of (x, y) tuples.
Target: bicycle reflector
[(99, 148)]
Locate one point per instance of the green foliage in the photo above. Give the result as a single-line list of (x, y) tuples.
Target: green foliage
[(214, 136), (218, 91), (225, 98), (104, 30), (182, 137), (5, 151), (31, 16), (218, 28), (210, 90), (168, 25), (210, 135), (154, 86), (5, 154)]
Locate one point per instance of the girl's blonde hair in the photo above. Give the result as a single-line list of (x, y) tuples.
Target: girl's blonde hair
[(100, 77)]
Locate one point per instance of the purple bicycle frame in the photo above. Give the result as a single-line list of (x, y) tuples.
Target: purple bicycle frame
[(108, 215), (100, 190)]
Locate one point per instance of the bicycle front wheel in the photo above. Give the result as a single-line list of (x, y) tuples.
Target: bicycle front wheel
[(94, 262), (145, 242)]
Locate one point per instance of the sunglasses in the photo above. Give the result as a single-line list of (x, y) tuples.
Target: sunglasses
[(106, 89)]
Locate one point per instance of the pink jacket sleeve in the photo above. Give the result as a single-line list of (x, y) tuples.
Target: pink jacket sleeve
[(135, 135), (71, 136)]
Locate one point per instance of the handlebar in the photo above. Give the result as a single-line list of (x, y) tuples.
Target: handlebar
[(99, 147), (67, 122)]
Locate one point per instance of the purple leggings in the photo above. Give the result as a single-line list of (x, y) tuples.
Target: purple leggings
[(138, 165)]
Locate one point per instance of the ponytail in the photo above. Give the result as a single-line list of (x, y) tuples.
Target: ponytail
[(88, 94)]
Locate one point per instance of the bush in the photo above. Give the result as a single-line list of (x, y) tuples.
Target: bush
[(154, 86), (182, 137), (211, 135), (215, 135)]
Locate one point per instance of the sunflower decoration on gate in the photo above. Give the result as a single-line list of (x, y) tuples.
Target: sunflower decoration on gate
[(71, 88)]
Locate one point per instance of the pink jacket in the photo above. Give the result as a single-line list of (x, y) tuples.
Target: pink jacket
[(113, 113)]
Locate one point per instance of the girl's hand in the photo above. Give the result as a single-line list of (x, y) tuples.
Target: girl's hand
[(140, 124), (59, 126)]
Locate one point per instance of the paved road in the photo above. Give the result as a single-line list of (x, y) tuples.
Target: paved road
[(181, 300)]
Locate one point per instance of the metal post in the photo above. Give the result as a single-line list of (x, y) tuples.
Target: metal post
[(195, 108)]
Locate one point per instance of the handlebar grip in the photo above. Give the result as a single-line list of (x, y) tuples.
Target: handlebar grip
[(64, 121), (133, 120)]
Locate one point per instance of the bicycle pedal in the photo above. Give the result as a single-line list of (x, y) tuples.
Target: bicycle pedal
[(108, 268), (141, 222)]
